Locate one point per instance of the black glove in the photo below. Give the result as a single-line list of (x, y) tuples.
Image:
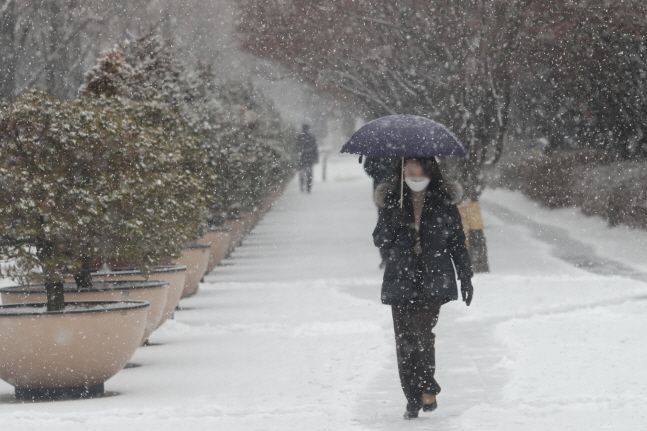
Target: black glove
[(467, 290)]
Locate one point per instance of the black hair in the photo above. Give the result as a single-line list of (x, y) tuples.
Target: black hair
[(431, 169)]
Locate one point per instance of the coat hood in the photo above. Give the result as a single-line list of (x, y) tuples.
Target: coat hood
[(384, 190)]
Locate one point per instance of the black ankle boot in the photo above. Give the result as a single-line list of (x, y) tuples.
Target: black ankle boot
[(411, 412), (430, 407)]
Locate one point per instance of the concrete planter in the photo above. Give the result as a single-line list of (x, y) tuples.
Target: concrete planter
[(220, 240), (254, 218), (175, 275), (67, 353), (251, 219), (268, 202), (241, 227), (237, 232), (196, 259), (246, 221), (153, 292)]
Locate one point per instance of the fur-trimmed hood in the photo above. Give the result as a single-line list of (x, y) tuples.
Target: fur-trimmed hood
[(383, 190)]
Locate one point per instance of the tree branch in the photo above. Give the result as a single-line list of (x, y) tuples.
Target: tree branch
[(52, 56)]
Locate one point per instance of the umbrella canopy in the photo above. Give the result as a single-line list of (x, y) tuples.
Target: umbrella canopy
[(408, 136)]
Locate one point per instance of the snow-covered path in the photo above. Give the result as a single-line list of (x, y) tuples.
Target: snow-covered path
[(290, 334)]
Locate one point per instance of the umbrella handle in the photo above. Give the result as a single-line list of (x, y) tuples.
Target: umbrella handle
[(402, 183)]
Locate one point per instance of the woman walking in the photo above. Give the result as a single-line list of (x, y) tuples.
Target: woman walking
[(422, 239)]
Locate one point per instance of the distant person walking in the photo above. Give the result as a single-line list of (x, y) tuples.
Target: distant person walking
[(308, 156)]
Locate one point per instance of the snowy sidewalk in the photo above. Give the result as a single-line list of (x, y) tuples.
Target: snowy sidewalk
[(289, 334)]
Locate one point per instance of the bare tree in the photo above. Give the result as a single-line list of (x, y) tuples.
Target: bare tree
[(448, 60), (7, 47)]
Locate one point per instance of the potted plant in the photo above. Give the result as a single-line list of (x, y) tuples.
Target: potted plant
[(251, 151), (129, 79), (219, 237), (83, 181), (144, 70), (47, 205), (195, 257)]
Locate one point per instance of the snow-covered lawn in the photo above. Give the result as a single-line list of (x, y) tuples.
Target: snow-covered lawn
[(290, 334)]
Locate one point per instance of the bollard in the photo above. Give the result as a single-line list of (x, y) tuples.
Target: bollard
[(470, 212)]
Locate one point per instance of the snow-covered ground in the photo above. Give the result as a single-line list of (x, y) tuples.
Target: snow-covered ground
[(290, 334)]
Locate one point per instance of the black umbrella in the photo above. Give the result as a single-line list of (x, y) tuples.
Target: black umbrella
[(404, 136)]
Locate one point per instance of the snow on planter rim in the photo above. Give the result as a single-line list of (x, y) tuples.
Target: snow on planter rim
[(135, 271), (40, 309), (198, 245), (97, 286), (219, 228)]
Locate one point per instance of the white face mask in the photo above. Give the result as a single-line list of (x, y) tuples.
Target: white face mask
[(417, 184)]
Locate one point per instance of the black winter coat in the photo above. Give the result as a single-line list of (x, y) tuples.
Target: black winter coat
[(308, 153), (442, 241)]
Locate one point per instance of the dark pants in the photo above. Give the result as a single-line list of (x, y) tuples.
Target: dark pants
[(305, 179), (414, 341)]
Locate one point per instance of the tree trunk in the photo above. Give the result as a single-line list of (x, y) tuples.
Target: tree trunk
[(54, 71), (72, 67), (8, 50), (54, 284), (472, 179), (84, 277), (55, 294), (470, 211)]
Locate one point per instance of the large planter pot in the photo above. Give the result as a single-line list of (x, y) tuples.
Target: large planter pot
[(251, 219), (254, 218), (175, 275), (196, 259), (237, 232), (154, 292), (220, 240), (267, 202), (243, 224), (71, 352)]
